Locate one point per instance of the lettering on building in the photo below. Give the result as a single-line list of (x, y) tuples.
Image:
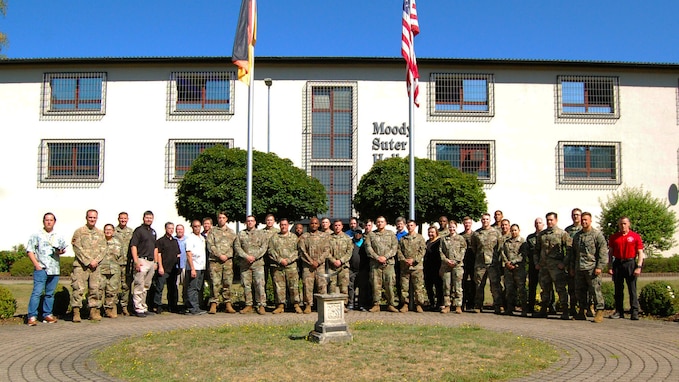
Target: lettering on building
[(388, 140)]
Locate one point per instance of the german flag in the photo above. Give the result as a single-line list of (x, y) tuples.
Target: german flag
[(243, 54)]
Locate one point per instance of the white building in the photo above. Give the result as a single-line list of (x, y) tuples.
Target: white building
[(116, 134)]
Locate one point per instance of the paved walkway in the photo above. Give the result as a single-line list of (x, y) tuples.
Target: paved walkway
[(617, 350)]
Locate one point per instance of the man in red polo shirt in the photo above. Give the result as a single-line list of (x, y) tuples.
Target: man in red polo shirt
[(625, 259)]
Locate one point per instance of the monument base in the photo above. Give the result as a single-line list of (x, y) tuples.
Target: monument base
[(330, 326)]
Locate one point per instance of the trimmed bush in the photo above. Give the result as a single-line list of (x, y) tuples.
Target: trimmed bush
[(22, 267), (608, 290), (8, 304), (658, 299), (7, 258), (662, 264)]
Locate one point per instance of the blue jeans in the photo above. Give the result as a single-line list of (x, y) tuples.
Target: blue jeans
[(42, 282)]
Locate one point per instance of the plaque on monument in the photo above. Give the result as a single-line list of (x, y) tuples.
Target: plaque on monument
[(330, 326)]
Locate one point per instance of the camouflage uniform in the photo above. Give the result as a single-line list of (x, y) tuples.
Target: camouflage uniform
[(383, 275), (514, 252), (553, 244), (252, 243), (571, 230), (88, 244), (220, 243), (110, 272), (313, 246), (268, 266), (412, 247), (453, 247), (487, 244), (284, 247), (533, 274), (341, 248), (589, 252), (468, 283), (124, 235)]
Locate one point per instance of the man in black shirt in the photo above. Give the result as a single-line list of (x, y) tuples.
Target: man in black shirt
[(145, 261), (168, 251)]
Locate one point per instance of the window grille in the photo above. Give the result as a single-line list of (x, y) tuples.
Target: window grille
[(72, 160), (201, 93), (588, 97), (470, 157), (182, 153), (337, 181), (461, 94), (589, 163), (74, 93)]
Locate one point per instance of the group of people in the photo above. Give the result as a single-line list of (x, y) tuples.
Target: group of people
[(368, 263)]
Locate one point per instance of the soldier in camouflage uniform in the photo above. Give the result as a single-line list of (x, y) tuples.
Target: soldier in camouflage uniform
[(124, 235), (89, 245), (533, 273), (572, 229), (554, 244), (341, 248), (487, 242), (514, 253), (271, 230), (250, 246), (453, 249), (283, 254), (468, 284), (411, 249), (588, 257), (314, 249), (381, 246), (220, 241), (110, 271)]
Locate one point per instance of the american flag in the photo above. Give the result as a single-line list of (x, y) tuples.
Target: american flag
[(411, 28)]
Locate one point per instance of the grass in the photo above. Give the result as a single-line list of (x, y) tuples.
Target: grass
[(280, 353)]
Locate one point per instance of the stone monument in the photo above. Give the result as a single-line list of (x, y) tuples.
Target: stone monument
[(330, 326)]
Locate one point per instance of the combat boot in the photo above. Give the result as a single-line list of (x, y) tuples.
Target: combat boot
[(298, 310), (213, 308), (392, 309), (229, 308), (404, 308), (374, 309), (599, 316), (111, 312), (125, 311), (458, 310), (261, 310), (279, 309), (76, 315), (307, 309), (95, 315), (418, 309), (565, 315), (445, 310), (247, 309), (580, 316)]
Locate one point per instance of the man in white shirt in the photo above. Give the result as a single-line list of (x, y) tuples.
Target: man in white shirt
[(195, 259)]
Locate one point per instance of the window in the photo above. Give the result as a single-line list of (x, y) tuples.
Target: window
[(183, 152), (72, 160), (330, 142), (461, 94), (74, 93), (201, 93), (589, 163), (588, 96), (471, 157)]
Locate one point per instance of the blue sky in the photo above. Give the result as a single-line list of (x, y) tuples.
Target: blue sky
[(603, 30)]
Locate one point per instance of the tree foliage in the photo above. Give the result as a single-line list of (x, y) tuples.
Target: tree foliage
[(440, 189), (217, 182), (649, 217)]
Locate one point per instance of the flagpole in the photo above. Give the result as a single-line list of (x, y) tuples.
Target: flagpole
[(411, 110), (251, 96)]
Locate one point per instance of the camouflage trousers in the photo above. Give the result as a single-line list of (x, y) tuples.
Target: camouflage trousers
[(452, 284), (252, 277), (110, 287), (221, 277), (414, 276), (553, 277), (82, 279), (383, 276), (494, 274), (126, 279), (586, 281), (309, 277), (339, 283), (515, 287), (282, 277)]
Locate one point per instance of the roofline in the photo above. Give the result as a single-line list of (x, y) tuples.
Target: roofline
[(335, 60)]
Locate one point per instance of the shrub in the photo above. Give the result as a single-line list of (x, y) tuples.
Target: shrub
[(65, 265), (7, 258), (8, 304), (22, 267), (608, 290), (657, 298), (662, 264)]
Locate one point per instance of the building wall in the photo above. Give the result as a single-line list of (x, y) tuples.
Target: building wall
[(136, 129)]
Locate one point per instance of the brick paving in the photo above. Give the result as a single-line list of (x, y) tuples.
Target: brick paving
[(617, 350)]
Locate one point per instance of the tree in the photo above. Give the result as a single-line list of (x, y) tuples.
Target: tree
[(3, 37), (649, 217), (440, 189), (217, 182)]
